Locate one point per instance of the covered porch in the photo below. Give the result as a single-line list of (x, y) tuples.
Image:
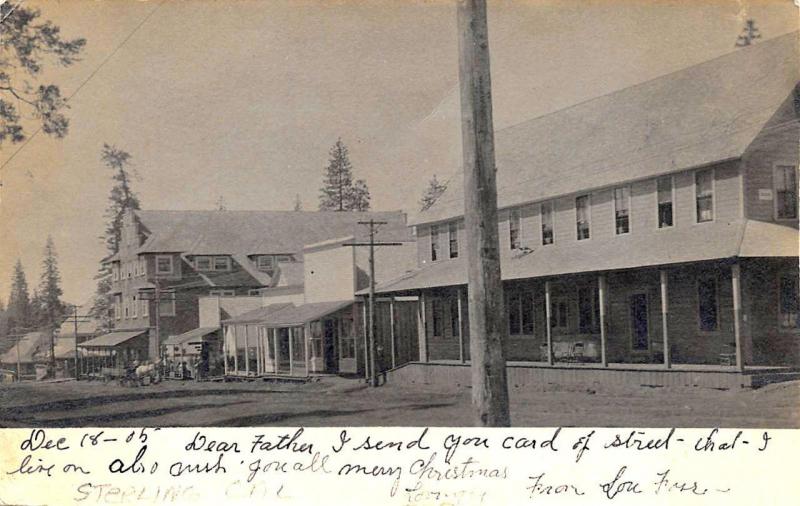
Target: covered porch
[(115, 351), (293, 341)]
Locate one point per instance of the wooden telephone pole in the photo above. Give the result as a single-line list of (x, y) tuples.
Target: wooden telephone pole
[(371, 363), (487, 325)]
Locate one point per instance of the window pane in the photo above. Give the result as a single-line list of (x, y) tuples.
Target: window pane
[(707, 301), (513, 229), (203, 263), (164, 265), (786, 192), (704, 190), (546, 212), (582, 216), (435, 243), (453, 232), (621, 209), (221, 263)]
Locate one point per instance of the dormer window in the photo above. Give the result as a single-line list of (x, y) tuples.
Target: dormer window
[(202, 263), (164, 264), (265, 263), (222, 263)]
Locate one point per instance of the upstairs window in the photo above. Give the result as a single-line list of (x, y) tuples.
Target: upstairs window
[(222, 263), (622, 207), (785, 182), (520, 313), (164, 264), (436, 253), (704, 195), (202, 263), (115, 271), (283, 258), (166, 304), (513, 229), (788, 306), (145, 306), (134, 307), (665, 199), (266, 263), (546, 212), (707, 304), (582, 216), (453, 237), (222, 293)]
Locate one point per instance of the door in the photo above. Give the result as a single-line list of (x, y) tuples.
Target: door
[(640, 331), (283, 350)]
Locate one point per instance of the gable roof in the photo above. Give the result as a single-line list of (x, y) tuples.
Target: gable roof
[(258, 315), (27, 348), (700, 115), (256, 232)]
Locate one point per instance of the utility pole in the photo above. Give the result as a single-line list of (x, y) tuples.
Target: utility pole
[(75, 333), (372, 352), (488, 331)]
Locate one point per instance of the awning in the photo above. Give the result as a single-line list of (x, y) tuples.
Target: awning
[(194, 335), (764, 239), (304, 313), (112, 339)]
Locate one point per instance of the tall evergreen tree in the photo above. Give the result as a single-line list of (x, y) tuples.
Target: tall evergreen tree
[(19, 303), (3, 320), (339, 192), (52, 308), (28, 44), (432, 193), (120, 199)]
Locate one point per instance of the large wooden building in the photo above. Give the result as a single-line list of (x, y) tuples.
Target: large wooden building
[(646, 232), (169, 260)]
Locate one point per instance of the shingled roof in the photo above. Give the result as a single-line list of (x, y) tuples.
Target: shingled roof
[(696, 116), (257, 232)]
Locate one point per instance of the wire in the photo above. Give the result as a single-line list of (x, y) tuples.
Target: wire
[(89, 78)]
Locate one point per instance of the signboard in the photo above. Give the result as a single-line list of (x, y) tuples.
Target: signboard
[(764, 194)]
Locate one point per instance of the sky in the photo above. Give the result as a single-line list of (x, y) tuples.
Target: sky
[(242, 99)]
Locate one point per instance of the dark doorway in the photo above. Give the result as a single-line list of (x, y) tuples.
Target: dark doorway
[(639, 322), (329, 345)]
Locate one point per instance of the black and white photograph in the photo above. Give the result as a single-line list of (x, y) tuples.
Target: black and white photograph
[(349, 213)]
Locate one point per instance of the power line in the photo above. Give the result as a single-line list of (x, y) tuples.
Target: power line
[(89, 78)]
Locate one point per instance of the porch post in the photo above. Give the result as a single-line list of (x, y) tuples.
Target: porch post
[(423, 329), (275, 349), (291, 355), (664, 313), (462, 355), (246, 351), (366, 344), (306, 333), (548, 324), (236, 349), (258, 351), (737, 314), (391, 332), (225, 351), (601, 284)]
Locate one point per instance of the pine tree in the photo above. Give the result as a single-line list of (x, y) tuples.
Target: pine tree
[(52, 308), (339, 192), (432, 193), (37, 311), (121, 199), (358, 197), (19, 304), (3, 320)]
